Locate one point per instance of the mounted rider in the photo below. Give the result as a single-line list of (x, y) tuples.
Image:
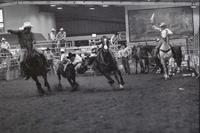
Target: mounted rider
[(164, 33), (26, 40), (104, 47)]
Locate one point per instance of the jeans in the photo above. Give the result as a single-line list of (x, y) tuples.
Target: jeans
[(126, 65)]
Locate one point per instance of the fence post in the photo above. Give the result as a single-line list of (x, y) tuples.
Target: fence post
[(8, 68), (187, 49)]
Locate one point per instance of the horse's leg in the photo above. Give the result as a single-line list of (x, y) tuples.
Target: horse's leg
[(121, 81), (108, 77), (59, 80), (120, 76), (39, 86), (141, 66), (147, 65), (46, 83), (164, 68), (73, 82), (136, 66)]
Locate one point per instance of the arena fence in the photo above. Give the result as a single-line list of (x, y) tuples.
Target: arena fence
[(9, 66)]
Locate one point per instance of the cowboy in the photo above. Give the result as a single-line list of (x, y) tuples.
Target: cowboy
[(164, 33), (26, 41), (61, 37), (52, 35), (49, 56), (124, 54), (4, 44), (68, 60)]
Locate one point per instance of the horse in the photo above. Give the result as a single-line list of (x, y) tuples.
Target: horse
[(68, 72), (141, 55), (164, 54), (35, 65), (104, 62)]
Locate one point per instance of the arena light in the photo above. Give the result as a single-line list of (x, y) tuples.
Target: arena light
[(94, 35), (193, 6), (105, 5), (92, 8), (59, 8), (52, 5)]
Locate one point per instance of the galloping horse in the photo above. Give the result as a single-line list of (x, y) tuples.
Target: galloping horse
[(34, 66), (106, 64), (69, 73)]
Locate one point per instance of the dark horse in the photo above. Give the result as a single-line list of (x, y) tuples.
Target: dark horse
[(69, 73), (34, 65), (141, 55), (106, 64)]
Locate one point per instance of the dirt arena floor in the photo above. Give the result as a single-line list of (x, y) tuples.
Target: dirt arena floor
[(148, 104)]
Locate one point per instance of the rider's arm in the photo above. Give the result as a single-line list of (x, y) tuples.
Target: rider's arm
[(156, 28), (169, 32), (14, 31), (8, 45)]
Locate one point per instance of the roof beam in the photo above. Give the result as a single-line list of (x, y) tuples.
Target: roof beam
[(117, 3)]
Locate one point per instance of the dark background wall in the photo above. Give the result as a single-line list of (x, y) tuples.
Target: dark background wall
[(82, 21)]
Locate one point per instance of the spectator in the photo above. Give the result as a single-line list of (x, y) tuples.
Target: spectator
[(125, 59), (5, 44), (52, 37), (61, 38), (50, 56), (64, 54)]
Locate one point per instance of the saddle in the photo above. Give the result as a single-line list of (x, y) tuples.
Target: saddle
[(165, 51)]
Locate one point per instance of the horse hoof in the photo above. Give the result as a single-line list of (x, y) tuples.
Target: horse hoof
[(166, 76), (121, 86)]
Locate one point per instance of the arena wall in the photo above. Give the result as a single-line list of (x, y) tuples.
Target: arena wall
[(15, 16)]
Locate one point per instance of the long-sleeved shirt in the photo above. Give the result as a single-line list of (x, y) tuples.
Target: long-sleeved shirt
[(61, 36), (52, 36), (163, 33), (25, 39), (124, 52)]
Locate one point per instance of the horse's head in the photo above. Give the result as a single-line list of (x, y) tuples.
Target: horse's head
[(105, 42)]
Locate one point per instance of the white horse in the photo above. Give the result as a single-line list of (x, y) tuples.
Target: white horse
[(165, 53)]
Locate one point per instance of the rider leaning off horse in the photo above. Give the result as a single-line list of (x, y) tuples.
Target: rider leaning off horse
[(164, 33), (26, 41)]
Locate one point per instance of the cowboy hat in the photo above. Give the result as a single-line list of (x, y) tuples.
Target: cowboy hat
[(3, 39), (21, 28), (70, 55), (27, 24), (61, 29), (47, 49), (53, 29), (163, 24)]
